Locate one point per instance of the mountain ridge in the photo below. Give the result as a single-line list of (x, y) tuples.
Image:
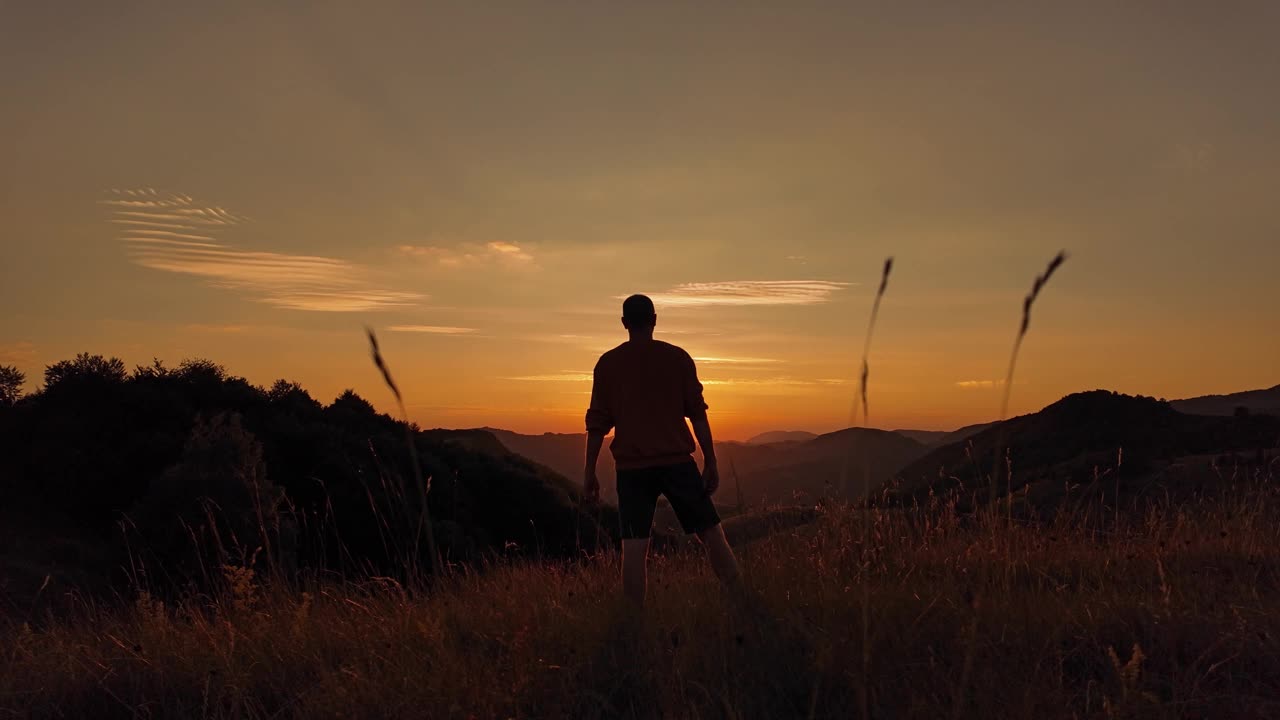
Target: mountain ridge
[(1067, 440), (812, 466), (1265, 401)]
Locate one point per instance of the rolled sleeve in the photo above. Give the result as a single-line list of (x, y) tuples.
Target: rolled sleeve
[(599, 417), (694, 404)]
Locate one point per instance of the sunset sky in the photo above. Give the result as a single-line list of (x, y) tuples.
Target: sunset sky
[(483, 182)]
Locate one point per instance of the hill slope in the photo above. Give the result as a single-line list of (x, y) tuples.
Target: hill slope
[(776, 436), (565, 453), (1262, 402), (830, 465), (1067, 440), (772, 472)]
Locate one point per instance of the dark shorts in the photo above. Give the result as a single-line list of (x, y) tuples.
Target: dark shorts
[(638, 492)]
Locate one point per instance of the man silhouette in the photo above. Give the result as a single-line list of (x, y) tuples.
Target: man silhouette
[(643, 390)]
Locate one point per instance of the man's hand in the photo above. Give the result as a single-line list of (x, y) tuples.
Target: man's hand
[(710, 476), (591, 487)]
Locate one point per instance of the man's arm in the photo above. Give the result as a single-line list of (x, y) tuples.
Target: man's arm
[(710, 470), (591, 484), (695, 408), (599, 423)]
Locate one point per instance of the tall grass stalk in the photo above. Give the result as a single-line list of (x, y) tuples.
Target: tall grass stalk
[(420, 483), (1023, 327), (862, 405)]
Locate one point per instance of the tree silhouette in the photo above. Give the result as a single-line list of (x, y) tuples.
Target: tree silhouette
[(85, 370), (11, 380)]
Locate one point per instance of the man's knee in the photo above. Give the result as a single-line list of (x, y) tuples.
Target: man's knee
[(713, 534)]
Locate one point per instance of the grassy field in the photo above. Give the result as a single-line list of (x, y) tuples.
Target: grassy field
[(1165, 612)]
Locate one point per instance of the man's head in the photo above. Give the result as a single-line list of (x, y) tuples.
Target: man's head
[(638, 313)]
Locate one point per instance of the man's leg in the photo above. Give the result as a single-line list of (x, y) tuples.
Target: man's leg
[(685, 489), (720, 554), (635, 554), (637, 499)]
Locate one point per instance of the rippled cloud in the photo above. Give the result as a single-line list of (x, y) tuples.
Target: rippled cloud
[(173, 233)]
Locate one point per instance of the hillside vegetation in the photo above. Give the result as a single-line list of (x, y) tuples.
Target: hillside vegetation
[(169, 473)]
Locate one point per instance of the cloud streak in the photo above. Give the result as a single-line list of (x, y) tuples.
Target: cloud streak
[(574, 377), (170, 232), (734, 360), (431, 329), (471, 255), (756, 382), (749, 292), (982, 384)]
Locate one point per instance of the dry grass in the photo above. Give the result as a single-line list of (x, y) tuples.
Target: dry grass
[(1167, 613)]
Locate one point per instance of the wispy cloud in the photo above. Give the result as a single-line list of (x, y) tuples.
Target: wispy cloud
[(979, 384), (567, 376), (749, 292), (150, 204), (755, 382), (734, 360), (431, 329), (162, 236), (471, 254), (171, 232)]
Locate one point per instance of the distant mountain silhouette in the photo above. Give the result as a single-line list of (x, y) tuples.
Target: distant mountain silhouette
[(770, 471), (1258, 402), (963, 433), (1066, 441), (925, 437), (938, 438), (830, 465), (776, 436), (565, 453)]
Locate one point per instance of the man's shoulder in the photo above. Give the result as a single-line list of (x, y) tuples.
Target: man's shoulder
[(666, 346), (673, 350), (610, 355)]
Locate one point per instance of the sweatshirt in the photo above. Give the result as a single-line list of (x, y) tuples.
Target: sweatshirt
[(644, 390)]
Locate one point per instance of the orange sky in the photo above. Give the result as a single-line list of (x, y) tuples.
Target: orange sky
[(483, 184)]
